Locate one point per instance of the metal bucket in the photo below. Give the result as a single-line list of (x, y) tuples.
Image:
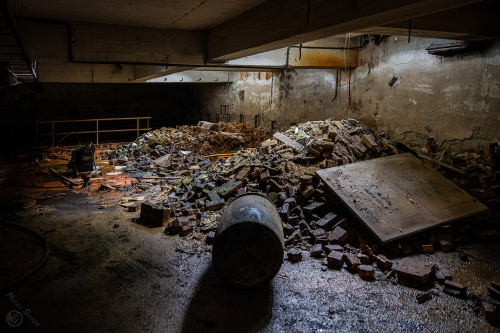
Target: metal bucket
[(248, 247)]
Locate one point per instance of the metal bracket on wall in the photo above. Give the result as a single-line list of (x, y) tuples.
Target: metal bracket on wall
[(224, 113)]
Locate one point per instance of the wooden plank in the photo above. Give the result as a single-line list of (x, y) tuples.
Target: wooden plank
[(397, 196), (289, 142), (66, 179)]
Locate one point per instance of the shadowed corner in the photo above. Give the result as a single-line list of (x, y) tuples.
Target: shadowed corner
[(217, 307)]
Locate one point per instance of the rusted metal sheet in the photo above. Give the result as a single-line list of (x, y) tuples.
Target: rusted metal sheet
[(397, 196)]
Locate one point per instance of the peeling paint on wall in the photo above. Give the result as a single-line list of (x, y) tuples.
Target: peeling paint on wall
[(456, 99)]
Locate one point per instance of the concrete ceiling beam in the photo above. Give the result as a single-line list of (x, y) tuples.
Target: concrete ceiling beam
[(146, 73), (275, 24), (474, 22)]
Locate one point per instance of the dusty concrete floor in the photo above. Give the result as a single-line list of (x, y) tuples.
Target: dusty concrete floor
[(106, 273)]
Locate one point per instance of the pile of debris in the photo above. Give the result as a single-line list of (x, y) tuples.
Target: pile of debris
[(477, 172), (185, 184), (202, 140), (187, 176)]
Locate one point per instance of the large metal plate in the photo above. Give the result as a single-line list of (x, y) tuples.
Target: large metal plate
[(398, 195)]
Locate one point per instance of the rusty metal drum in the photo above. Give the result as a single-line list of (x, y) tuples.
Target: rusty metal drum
[(248, 248)]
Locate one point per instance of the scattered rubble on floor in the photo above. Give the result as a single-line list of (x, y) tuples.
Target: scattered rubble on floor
[(185, 177)]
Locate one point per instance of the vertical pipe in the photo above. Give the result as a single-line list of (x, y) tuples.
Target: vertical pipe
[(137, 127), (97, 131), (53, 145)]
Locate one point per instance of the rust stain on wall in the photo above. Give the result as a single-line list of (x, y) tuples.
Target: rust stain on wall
[(258, 75), (325, 58), (269, 75)]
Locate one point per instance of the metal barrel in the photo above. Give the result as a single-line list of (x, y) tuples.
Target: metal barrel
[(248, 247)]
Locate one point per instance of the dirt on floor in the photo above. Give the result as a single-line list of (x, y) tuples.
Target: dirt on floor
[(80, 259), (105, 272)]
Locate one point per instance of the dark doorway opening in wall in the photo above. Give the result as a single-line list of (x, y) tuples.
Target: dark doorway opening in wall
[(274, 124), (257, 120), (242, 118)]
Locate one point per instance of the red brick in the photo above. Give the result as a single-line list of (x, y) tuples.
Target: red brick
[(366, 271), (335, 259), (415, 273)]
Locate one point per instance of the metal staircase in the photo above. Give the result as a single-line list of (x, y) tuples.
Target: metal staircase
[(13, 56)]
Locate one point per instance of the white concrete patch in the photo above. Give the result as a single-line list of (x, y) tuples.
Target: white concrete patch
[(423, 88), (413, 101), (451, 89), (494, 90)]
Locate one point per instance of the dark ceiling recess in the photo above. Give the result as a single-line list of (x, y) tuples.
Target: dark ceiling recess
[(13, 56), (445, 47)]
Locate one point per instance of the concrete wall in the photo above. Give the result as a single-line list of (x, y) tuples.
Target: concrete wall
[(454, 99)]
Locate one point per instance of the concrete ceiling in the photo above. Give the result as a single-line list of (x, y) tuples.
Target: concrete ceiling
[(130, 41), (173, 14)]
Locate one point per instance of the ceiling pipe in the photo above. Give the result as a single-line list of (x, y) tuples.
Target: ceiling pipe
[(93, 62), (71, 58)]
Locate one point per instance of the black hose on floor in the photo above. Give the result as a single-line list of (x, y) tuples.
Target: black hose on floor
[(39, 265)]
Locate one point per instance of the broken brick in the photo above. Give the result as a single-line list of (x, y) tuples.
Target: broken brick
[(351, 249), (445, 245), (243, 173), (210, 238), (214, 205), (284, 211), (274, 185), (414, 273), (294, 255), (186, 230), (330, 248), (491, 313), (316, 250), (213, 195), (308, 192), (318, 233), (438, 275), (493, 292), (135, 207), (264, 176), (335, 259), (352, 261), (427, 248), (294, 238), (422, 298), (447, 274), (313, 208), (383, 262), (364, 259), (229, 188), (337, 235), (369, 140), (366, 271), (154, 215), (306, 179), (455, 289), (327, 221)]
